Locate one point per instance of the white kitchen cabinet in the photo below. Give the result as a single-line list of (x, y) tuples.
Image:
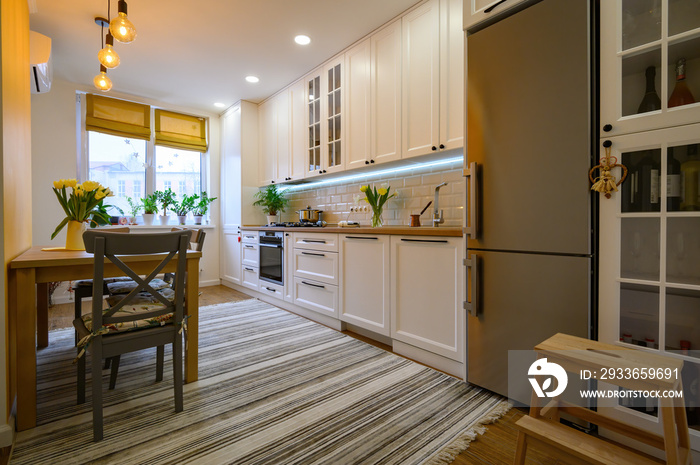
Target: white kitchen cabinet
[(315, 241), (325, 118), (385, 93), (288, 267), (432, 78), (357, 109), (316, 296), (250, 277), (267, 167), (298, 131), (635, 36), (479, 13), (426, 294), (316, 265), (650, 255), (250, 254), (365, 282), (239, 178), (284, 161)]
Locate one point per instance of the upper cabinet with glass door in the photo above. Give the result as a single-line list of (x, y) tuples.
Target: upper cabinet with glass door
[(325, 108), (649, 65)]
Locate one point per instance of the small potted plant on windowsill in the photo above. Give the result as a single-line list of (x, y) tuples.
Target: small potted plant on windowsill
[(202, 207), (150, 208), (272, 201), (166, 199), (134, 209), (185, 206)]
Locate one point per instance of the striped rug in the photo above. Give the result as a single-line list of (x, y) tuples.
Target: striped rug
[(274, 388)]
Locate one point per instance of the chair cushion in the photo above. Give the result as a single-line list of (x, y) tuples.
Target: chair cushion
[(143, 302), (124, 287), (88, 282)]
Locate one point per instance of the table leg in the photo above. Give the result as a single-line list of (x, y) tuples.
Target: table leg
[(42, 314), (23, 325), (192, 307)]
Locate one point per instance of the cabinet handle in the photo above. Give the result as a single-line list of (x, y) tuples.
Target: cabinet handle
[(315, 241), (248, 247), (249, 269), (471, 175), (371, 161), (363, 237), (272, 182), (425, 240), (473, 306), (442, 146), (270, 289), (490, 9), (607, 143), (434, 148), (607, 128), (314, 285), (366, 162), (315, 254)]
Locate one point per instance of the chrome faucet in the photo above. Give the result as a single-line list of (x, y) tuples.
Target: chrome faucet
[(437, 213)]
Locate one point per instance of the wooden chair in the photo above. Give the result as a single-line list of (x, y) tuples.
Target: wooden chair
[(126, 328)]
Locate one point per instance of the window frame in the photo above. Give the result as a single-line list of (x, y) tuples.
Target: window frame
[(83, 154)]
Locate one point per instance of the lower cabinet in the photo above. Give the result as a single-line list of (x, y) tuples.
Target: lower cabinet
[(249, 277), (315, 270), (365, 282), (426, 294), (273, 290), (317, 296)]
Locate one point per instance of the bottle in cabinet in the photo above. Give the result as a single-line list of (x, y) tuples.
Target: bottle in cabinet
[(681, 94), (651, 100), (642, 191), (673, 183), (690, 179)]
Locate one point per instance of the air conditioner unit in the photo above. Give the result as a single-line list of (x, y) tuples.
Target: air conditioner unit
[(41, 71)]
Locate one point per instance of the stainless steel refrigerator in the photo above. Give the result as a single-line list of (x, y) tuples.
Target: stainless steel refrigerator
[(530, 110)]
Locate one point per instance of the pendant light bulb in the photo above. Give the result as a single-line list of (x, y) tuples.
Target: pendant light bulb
[(108, 56), (101, 81), (121, 28)]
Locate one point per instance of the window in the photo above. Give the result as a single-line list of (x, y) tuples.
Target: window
[(126, 155)]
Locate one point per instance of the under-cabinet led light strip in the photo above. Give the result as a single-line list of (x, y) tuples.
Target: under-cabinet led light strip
[(372, 175)]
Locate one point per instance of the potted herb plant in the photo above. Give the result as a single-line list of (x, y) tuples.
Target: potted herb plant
[(272, 201), (134, 209), (166, 199), (150, 208), (186, 205), (202, 207)]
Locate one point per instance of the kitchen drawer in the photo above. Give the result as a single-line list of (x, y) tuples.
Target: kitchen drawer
[(249, 277), (249, 237), (316, 241), (250, 255), (316, 265), (316, 296), (273, 290)]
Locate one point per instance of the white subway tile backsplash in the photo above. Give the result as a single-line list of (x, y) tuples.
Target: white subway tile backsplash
[(415, 189)]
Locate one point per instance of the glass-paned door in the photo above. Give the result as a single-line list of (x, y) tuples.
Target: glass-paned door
[(314, 112), (334, 115)]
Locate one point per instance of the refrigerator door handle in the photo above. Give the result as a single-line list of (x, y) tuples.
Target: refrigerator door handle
[(473, 306), (470, 173)]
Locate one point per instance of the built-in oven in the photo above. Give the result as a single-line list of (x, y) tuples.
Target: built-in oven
[(272, 257)]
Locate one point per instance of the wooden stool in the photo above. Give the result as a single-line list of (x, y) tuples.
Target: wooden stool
[(573, 354)]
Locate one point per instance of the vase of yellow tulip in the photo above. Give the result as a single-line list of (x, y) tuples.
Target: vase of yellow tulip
[(376, 198), (83, 206)]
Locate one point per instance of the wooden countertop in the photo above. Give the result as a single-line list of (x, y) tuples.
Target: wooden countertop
[(447, 231)]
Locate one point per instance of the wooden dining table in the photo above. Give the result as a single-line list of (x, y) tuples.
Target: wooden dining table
[(29, 277)]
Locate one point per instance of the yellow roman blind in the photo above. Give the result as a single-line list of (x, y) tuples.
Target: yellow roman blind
[(118, 117), (181, 131)]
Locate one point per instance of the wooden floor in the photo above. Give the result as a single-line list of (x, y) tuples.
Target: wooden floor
[(495, 447)]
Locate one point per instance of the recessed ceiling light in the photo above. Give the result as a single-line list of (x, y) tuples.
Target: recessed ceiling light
[(302, 40), (252, 78), (219, 104)]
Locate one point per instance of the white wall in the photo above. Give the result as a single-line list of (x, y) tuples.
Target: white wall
[(55, 133)]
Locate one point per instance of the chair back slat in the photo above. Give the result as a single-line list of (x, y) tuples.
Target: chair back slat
[(135, 244)]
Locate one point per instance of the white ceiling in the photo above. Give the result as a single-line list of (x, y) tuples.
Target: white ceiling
[(192, 54)]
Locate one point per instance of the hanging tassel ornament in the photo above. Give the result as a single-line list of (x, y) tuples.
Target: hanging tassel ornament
[(605, 183)]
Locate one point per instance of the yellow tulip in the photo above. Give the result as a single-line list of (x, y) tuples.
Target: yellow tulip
[(70, 182), (78, 190), (100, 194), (89, 186), (382, 191), (60, 184), (364, 188)]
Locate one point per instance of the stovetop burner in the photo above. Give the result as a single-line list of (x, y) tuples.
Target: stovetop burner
[(320, 224)]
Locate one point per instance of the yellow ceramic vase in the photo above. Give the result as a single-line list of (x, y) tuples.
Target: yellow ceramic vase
[(74, 236)]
